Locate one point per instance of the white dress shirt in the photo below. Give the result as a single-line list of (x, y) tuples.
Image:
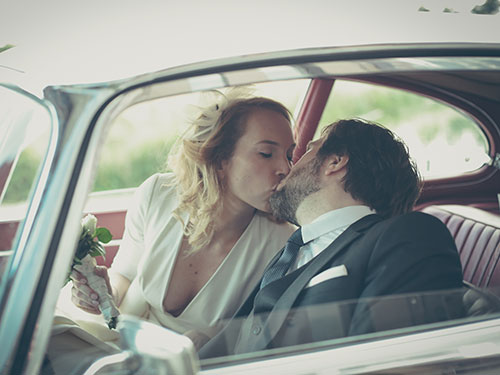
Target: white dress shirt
[(321, 232)]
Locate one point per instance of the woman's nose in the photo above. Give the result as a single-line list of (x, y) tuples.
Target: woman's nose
[(284, 167)]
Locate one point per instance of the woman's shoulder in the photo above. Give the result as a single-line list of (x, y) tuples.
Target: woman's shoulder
[(160, 179), (157, 192), (159, 183)]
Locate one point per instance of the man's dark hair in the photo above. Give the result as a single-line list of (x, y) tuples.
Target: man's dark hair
[(380, 172)]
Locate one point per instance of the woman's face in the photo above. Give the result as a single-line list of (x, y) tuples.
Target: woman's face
[(261, 159)]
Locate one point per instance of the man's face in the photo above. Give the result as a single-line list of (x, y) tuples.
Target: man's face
[(302, 181)]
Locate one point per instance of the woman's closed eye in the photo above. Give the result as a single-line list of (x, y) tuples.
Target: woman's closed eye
[(270, 155)]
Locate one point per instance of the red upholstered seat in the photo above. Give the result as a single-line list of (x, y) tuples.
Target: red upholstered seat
[(477, 235)]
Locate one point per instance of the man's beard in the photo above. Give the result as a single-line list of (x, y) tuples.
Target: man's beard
[(300, 184)]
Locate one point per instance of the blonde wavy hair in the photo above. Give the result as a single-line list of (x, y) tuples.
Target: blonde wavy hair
[(198, 155)]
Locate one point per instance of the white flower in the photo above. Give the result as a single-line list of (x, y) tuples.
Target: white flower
[(89, 223)]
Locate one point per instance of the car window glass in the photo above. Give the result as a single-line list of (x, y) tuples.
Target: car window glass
[(443, 141), (24, 140), (333, 325)]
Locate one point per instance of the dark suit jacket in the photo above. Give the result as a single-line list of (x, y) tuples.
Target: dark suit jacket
[(410, 253)]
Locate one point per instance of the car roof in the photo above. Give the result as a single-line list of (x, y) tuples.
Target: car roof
[(63, 43)]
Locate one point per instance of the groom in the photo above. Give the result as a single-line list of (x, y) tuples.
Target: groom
[(351, 194)]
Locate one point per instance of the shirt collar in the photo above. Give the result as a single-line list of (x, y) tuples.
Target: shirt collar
[(332, 220)]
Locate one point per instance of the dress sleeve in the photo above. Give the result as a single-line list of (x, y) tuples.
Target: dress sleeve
[(132, 246)]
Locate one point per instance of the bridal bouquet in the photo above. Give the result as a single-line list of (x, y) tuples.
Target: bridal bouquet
[(89, 247)]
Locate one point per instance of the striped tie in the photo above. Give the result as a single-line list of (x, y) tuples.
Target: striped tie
[(278, 269)]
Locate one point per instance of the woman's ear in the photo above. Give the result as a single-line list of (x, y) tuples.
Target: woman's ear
[(221, 169), (335, 163)]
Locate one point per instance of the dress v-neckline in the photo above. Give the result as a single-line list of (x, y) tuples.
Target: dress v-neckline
[(212, 277)]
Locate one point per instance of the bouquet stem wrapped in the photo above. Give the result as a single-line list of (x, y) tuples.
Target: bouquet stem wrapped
[(106, 303)]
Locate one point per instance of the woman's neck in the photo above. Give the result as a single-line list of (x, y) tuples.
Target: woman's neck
[(233, 220)]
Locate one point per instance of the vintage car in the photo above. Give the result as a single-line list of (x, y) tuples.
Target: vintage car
[(57, 152)]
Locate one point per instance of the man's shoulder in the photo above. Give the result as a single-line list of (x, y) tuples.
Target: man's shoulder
[(415, 218), (412, 224)]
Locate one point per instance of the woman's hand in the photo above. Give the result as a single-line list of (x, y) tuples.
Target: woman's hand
[(85, 297)]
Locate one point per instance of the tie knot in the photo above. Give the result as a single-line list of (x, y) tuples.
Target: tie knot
[(296, 237)]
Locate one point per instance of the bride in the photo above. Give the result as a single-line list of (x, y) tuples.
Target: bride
[(197, 239)]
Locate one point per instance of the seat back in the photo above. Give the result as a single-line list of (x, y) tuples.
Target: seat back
[(477, 236)]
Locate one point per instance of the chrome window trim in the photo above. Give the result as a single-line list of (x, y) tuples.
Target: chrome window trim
[(157, 85), (296, 57), (375, 66)]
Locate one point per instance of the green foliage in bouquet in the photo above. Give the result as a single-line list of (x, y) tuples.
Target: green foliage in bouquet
[(90, 242)]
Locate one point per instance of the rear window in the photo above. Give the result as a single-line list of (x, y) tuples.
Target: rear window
[(443, 141)]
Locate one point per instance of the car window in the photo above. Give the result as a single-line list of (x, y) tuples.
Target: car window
[(443, 141), (385, 329), (25, 130)]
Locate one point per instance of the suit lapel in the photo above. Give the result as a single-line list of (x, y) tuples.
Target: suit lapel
[(298, 280)]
